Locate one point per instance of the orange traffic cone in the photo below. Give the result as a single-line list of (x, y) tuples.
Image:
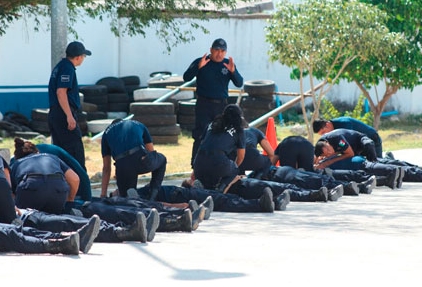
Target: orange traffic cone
[(271, 133)]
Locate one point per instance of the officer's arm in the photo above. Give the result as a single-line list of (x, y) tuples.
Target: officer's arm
[(73, 180), (266, 146), (64, 104), (347, 153), (106, 175), (240, 156), (149, 147)]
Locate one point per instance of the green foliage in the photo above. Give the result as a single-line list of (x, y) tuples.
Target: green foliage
[(127, 17), (328, 111)]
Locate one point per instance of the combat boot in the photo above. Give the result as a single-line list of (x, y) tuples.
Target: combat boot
[(180, 223), (351, 188), (208, 203), (136, 232), (319, 195), (281, 201), (68, 245), (368, 185), (335, 193), (266, 200), (88, 233), (153, 220), (197, 217)]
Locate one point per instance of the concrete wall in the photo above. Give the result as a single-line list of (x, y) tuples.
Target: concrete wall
[(25, 59)]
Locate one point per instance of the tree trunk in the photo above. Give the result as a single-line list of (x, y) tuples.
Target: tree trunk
[(379, 107)]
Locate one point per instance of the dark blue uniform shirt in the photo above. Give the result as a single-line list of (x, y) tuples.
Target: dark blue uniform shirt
[(353, 124), (64, 76), (341, 139), (213, 79), (37, 163), (253, 137), (123, 136), (228, 141)]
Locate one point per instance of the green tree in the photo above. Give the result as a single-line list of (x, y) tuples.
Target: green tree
[(320, 38), (130, 17), (398, 70)]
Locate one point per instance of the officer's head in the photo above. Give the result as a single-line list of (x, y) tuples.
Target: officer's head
[(24, 148)]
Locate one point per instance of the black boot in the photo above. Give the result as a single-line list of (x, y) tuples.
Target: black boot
[(208, 203), (399, 182), (335, 193), (68, 245), (153, 220), (319, 195), (368, 185), (136, 232), (390, 180), (197, 217), (88, 233), (351, 188), (180, 223), (266, 200), (281, 201)]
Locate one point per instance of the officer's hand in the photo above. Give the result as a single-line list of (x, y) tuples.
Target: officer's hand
[(230, 66), (71, 123), (203, 61)]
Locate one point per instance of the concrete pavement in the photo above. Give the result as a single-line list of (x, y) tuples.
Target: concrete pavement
[(357, 241)]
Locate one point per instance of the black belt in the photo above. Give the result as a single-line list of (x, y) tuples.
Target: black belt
[(213, 100), (211, 152), (128, 152), (53, 175)]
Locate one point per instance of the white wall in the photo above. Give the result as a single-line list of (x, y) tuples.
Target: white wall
[(25, 57)]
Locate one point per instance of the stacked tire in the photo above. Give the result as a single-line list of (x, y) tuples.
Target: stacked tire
[(159, 118), (131, 83), (39, 121), (260, 99), (117, 96), (186, 114)]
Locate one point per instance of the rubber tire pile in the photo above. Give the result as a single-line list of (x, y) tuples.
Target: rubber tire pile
[(260, 100), (160, 118)]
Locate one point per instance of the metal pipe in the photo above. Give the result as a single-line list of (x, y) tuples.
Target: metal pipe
[(175, 91)]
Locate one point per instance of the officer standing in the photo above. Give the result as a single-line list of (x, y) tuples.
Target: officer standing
[(64, 102), (213, 73), (130, 144)]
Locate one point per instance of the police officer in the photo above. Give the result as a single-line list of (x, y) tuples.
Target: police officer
[(254, 160), (323, 126), (64, 102), (7, 205), (213, 165), (351, 150), (42, 181), (131, 146), (213, 73), (295, 151)]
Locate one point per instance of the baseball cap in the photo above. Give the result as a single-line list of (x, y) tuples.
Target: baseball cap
[(75, 49), (219, 44)]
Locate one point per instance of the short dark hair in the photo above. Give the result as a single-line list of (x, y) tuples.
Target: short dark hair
[(318, 147), (318, 124), (24, 148)]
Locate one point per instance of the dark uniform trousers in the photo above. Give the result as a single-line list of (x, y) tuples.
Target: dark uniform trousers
[(7, 205), (129, 167), (42, 192), (205, 111), (222, 202), (67, 223), (256, 162), (122, 209), (69, 140), (252, 188), (24, 239)]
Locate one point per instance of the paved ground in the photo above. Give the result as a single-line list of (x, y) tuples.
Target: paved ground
[(357, 241)]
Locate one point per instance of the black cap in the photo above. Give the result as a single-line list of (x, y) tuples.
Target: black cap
[(219, 44), (75, 49)]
